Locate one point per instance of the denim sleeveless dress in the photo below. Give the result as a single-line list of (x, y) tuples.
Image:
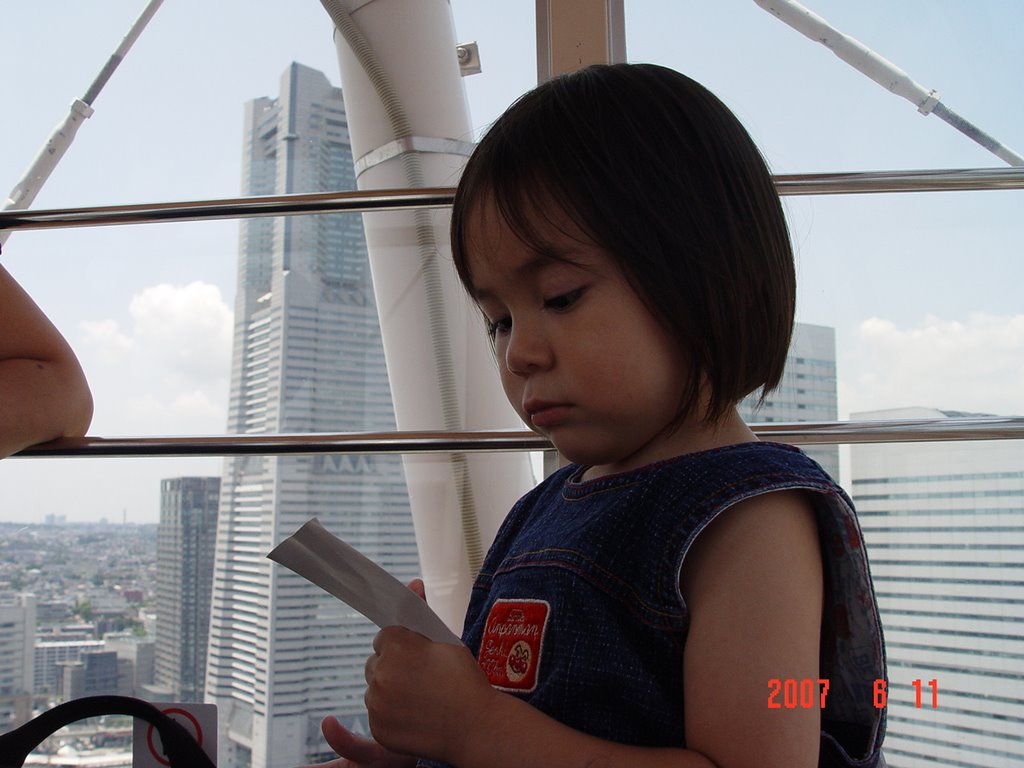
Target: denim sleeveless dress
[(577, 608)]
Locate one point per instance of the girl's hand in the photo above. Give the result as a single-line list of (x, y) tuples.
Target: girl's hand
[(422, 696), (357, 751)]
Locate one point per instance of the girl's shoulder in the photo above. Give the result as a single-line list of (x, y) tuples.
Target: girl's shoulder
[(753, 456), (712, 476)]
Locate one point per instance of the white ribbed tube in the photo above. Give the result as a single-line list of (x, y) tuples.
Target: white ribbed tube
[(401, 80)]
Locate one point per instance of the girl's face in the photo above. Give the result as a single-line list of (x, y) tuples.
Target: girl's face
[(582, 360)]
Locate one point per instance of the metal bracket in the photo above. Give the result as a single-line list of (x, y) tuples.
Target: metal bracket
[(412, 144), (469, 58)]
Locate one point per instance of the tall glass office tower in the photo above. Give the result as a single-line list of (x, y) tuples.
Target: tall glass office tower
[(307, 357), (944, 526), (184, 557), (808, 390), (17, 660)]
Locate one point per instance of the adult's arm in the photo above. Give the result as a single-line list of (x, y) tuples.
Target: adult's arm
[(43, 391)]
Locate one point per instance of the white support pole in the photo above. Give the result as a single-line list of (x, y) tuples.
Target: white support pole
[(572, 34), (409, 126)]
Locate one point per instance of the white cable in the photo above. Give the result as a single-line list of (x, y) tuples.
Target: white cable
[(882, 71), (25, 191)]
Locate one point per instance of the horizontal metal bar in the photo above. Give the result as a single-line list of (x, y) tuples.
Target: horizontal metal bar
[(281, 444), (949, 180), (893, 430), (439, 197), (231, 208), (797, 433)]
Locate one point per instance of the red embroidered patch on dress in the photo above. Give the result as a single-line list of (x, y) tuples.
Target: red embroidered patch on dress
[(512, 642)]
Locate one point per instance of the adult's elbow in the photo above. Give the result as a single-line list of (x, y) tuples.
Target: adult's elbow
[(80, 407), (81, 418)]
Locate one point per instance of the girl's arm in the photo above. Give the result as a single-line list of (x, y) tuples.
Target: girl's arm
[(43, 391), (432, 699), (753, 585)]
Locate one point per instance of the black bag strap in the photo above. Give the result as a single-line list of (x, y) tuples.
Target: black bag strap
[(180, 748)]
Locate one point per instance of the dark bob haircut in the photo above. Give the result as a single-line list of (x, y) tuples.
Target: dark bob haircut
[(655, 170)]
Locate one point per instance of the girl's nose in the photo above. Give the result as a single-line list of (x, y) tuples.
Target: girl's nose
[(526, 350)]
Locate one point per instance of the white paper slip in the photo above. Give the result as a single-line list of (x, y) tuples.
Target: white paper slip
[(319, 556)]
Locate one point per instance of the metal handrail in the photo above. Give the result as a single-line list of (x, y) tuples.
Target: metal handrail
[(230, 208), (948, 180), (796, 433), (439, 197)]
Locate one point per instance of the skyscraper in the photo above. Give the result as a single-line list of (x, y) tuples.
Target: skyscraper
[(944, 526), (17, 641), (808, 390), (307, 357), (184, 578)]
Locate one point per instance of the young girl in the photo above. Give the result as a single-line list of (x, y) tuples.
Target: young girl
[(681, 594)]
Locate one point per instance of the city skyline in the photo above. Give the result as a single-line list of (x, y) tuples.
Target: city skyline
[(920, 288)]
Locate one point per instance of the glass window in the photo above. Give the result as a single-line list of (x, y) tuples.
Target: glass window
[(906, 301)]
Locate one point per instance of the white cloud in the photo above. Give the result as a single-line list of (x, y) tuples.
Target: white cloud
[(187, 328), (975, 364), (106, 337), (168, 373)]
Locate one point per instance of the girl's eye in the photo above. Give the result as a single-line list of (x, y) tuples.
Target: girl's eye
[(499, 327), (564, 300)]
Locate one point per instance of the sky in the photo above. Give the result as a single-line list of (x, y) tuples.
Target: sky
[(923, 290)]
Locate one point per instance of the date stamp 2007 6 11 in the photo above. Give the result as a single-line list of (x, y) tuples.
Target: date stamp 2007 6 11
[(808, 693)]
